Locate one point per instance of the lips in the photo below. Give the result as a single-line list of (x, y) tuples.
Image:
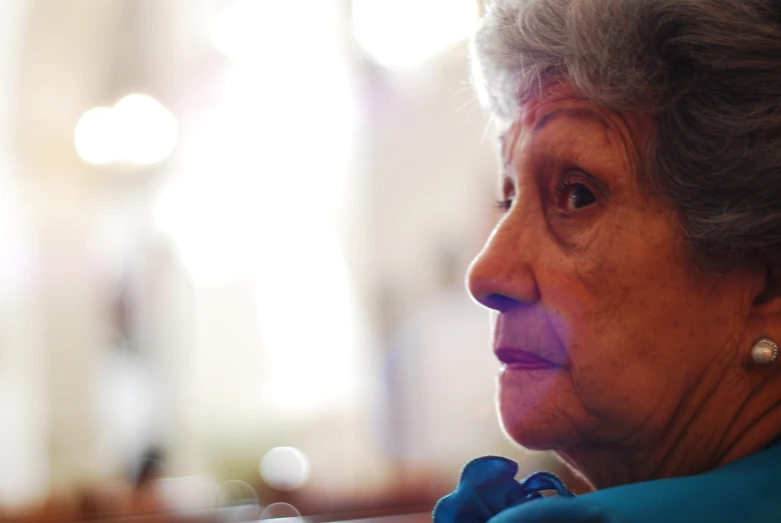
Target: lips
[(517, 359)]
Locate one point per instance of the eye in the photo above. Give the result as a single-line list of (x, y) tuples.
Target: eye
[(503, 204), (573, 195)]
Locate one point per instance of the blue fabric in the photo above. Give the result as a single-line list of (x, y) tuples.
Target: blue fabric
[(744, 491), (488, 487)]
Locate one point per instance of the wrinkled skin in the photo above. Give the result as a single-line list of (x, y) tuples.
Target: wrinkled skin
[(652, 373)]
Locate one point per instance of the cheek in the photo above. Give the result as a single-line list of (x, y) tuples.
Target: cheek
[(618, 322), (619, 396)]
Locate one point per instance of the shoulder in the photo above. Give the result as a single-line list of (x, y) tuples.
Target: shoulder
[(557, 510), (745, 491)]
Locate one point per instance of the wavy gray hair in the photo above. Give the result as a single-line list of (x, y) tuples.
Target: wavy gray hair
[(707, 71)]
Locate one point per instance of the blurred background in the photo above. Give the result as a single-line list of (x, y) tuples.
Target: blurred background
[(233, 240)]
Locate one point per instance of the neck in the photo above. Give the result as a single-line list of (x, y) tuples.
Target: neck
[(716, 424)]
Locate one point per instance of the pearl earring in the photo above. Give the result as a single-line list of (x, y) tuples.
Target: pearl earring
[(764, 351)]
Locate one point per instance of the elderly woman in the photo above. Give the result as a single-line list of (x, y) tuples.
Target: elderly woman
[(634, 275)]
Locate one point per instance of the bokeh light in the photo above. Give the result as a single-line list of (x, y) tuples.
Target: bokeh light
[(285, 468), (94, 137), (281, 510), (146, 131), (138, 129), (241, 498)]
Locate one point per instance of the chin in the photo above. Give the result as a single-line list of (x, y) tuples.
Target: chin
[(535, 423), (532, 436)]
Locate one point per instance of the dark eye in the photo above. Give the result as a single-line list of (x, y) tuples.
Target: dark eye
[(504, 204), (573, 196)]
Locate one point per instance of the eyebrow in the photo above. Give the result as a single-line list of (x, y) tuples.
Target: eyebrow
[(579, 114)]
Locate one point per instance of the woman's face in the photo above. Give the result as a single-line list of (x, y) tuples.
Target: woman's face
[(604, 324)]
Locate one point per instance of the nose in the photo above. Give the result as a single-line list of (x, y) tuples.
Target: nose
[(501, 276)]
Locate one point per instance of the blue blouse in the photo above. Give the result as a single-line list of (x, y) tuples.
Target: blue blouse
[(744, 491)]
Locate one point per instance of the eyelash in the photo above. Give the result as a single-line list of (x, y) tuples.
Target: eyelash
[(566, 183), (503, 206)]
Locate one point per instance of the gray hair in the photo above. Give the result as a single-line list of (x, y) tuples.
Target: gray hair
[(708, 72)]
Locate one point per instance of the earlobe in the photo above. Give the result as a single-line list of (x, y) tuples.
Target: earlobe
[(765, 317)]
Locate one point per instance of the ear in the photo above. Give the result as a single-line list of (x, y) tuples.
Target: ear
[(764, 319), (768, 301)]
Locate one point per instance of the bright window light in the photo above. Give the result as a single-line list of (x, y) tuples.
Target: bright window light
[(258, 191), (235, 30), (401, 34), (138, 129), (251, 30)]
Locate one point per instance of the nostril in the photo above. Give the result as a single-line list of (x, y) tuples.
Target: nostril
[(499, 302)]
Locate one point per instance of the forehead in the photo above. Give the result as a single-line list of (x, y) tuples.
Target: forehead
[(537, 112), (606, 128)]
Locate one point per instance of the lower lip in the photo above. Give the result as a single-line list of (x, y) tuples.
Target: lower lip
[(528, 366)]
